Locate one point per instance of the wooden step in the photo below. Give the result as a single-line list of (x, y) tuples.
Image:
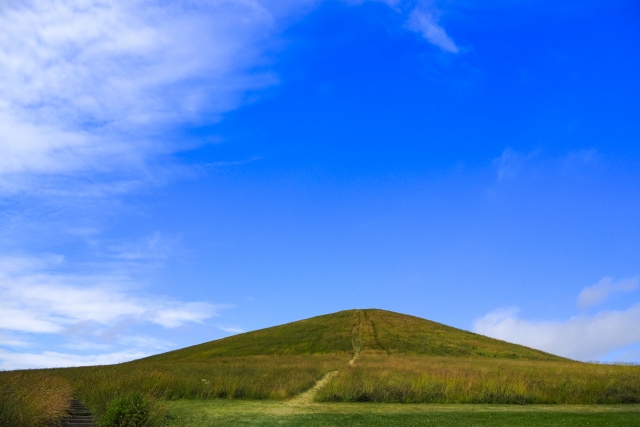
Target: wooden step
[(79, 416)]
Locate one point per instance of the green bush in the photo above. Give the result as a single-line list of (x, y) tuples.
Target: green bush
[(129, 411)]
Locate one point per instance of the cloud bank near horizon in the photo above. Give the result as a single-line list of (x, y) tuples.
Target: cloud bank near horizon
[(48, 359), (582, 337), (93, 310), (35, 299)]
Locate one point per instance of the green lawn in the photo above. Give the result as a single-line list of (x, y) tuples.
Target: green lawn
[(247, 413)]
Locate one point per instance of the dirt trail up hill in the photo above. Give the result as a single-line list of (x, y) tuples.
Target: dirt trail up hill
[(361, 327), (386, 333)]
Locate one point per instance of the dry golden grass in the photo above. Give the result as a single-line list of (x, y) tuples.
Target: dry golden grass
[(32, 398), (246, 377), (432, 379)]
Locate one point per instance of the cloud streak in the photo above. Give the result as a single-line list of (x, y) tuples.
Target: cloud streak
[(580, 337), (81, 77), (95, 86), (34, 299), (425, 22), (596, 294), (51, 359)]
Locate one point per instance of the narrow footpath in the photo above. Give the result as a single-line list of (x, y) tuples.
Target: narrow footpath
[(308, 396), (356, 338)]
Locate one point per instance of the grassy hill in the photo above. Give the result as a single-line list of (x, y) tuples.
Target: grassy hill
[(372, 355), (396, 333), (348, 331), (393, 358)]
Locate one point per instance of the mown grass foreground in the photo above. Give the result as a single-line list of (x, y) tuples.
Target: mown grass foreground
[(396, 358), (232, 413)]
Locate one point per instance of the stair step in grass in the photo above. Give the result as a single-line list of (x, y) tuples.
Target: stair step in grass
[(79, 416)]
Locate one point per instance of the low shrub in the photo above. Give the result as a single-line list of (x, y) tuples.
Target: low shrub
[(128, 411)]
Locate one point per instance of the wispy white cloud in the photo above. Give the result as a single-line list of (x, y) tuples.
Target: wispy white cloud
[(84, 345), (91, 84), (35, 298), (103, 313), (142, 341), (51, 359), (593, 295), (135, 341), (149, 248), (424, 20), (231, 329), (9, 340), (580, 337), (511, 163), (94, 86)]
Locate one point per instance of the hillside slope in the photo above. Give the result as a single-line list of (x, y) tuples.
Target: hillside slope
[(349, 331), (358, 355), (401, 334), (330, 333)]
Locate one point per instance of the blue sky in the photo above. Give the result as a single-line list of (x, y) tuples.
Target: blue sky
[(172, 172)]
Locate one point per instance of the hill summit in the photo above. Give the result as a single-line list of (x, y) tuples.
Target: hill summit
[(356, 331)]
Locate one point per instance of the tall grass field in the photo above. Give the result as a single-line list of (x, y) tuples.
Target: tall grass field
[(33, 398), (416, 379), (395, 359)]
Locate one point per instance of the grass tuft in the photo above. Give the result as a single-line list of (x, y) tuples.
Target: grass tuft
[(33, 398)]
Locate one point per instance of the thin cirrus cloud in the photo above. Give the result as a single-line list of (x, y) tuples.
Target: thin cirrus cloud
[(580, 337), (8, 340), (10, 360), (425, 22), (596, 294), (231, 329), (92, 85), (513, 165), (35, 299), (82, 77)]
